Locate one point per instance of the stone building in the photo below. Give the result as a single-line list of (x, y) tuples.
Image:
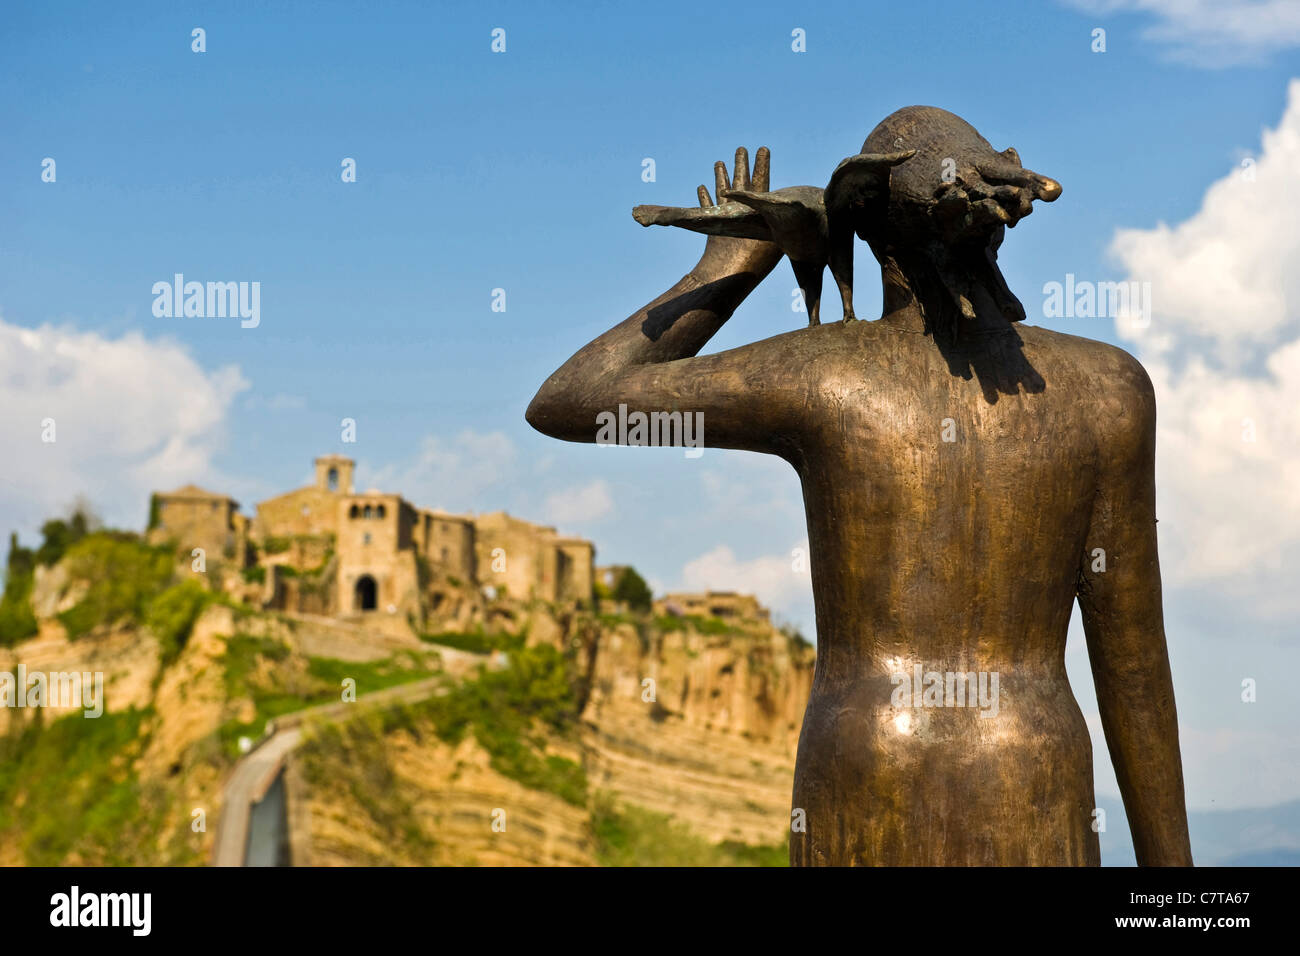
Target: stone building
[(328, 549), (196, 518), (526, 560), (728, 605)]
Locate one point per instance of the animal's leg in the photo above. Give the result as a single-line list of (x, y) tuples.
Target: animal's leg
[(840, 248), (809, 277)]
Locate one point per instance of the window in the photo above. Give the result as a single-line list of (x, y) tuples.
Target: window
[(367, 512), (354, 512), (379, 512), (333, 479), (365, 538)]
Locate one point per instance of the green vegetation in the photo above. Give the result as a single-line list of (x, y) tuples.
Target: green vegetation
[(254, 575), (241, 657), (633, 836), (124, 574), (261, 669), (274, 544), (511, 712), (795, 636), (70, 787), (370, 779), (713, 626), (370, 676), (60, 535), (632, 589), (477, 641), (17, 622), (172, 614)]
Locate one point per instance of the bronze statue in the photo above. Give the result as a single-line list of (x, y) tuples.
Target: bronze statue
[(965, 481)]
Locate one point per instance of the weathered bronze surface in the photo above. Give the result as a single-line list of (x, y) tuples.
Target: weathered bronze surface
[(960, 475)]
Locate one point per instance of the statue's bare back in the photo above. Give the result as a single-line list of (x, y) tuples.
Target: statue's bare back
[(960, 528)]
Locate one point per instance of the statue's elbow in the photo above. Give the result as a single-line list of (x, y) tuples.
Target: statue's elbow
[(537, 413), (546, 412)]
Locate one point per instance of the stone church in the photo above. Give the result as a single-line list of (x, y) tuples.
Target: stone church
[(328, 549)]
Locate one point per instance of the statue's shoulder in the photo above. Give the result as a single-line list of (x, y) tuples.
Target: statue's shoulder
[(1105, 365)]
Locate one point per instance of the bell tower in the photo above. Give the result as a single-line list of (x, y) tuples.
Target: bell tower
[(334, 473)]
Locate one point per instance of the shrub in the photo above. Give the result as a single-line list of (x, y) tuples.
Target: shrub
[(60, 535), (124, 574), (172, 615), (69, 787), (477, 641), (505, 709), (627, 835), (632, 589), (17, 622)]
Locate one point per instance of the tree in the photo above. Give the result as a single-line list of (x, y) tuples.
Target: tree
[(632, 590), (17, 621)]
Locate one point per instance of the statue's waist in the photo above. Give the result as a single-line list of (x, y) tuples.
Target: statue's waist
[(975, 707)]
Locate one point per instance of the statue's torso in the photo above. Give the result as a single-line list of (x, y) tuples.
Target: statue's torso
[(947, 532)]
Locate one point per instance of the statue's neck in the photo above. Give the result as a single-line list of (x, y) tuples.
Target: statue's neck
[(948, 293)]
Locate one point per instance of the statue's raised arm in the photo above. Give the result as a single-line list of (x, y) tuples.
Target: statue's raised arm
[(646, 361)]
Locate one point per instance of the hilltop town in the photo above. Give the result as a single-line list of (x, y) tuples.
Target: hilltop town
[(374, 557)]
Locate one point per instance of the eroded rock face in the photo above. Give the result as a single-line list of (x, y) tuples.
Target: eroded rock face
[(701, 727), (455, 810), (126, 665), (710, 743)]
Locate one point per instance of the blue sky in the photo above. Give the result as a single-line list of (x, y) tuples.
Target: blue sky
[(518, 170)]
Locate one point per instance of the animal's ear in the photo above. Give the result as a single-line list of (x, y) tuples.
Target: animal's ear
[(859, 183), (732, 219), (854, 196)]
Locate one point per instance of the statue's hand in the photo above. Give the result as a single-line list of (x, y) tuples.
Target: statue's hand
[(731, 252), (739, 239)]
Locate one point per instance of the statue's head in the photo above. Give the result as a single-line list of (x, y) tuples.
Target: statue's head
[(933, 199), (956, 187)]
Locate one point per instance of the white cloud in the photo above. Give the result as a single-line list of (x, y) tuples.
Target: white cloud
[(131, 415), (779, 581), (456, 475), (580, 505), (1211, 33), (1223, 351)]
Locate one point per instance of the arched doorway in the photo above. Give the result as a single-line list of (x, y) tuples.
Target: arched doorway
[(367, 596)]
